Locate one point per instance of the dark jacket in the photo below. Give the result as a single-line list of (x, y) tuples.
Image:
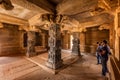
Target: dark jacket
[(105, 52)]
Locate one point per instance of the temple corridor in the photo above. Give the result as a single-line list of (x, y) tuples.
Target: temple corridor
[(59, 39)]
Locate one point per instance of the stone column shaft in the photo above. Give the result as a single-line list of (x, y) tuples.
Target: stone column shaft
[(76, 46), (31, 44), (54, 42)]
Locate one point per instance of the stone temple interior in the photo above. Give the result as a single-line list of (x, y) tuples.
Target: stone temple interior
[(56, 39)]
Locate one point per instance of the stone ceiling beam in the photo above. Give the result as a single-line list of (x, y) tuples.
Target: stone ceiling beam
[(104, 17), (12, 20), (28, 5)]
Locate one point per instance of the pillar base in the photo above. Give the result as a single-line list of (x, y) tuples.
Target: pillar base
[(54, 65), (31, 54)]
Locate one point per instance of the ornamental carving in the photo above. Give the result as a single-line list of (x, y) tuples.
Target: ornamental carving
[(52, 18)]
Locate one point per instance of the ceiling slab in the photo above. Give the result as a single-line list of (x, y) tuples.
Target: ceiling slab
[(44, 4), (12, 20), (31, 6), (19, 12), (72, 7)]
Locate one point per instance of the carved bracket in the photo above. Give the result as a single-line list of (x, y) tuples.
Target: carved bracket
[(6, 4), (23, 27), (52, 18), (104, 26)]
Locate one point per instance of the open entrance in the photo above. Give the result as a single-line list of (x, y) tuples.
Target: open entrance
[(71, 38)]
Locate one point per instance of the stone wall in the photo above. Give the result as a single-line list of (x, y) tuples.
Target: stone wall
[(9, 40), (89, 39), (66, 41)]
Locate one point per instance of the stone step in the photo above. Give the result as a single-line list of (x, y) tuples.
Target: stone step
[(14, 69)]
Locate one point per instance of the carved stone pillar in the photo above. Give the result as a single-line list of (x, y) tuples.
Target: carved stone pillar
[(54, 42), (76, 46), (31, 44)]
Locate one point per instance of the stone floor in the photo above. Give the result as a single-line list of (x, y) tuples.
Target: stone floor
[(83, 69)]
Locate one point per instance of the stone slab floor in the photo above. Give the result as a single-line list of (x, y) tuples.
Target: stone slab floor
[(83, 69)]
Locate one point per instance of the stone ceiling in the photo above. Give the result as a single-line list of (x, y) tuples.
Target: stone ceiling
[(19, 12), (86, 12)]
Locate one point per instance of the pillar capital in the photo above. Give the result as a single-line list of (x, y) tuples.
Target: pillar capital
[(52, 18), (23, 27), (33, 28), (104, 26)]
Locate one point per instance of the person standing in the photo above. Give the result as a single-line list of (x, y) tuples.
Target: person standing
[(104, 57), (98, 55)]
